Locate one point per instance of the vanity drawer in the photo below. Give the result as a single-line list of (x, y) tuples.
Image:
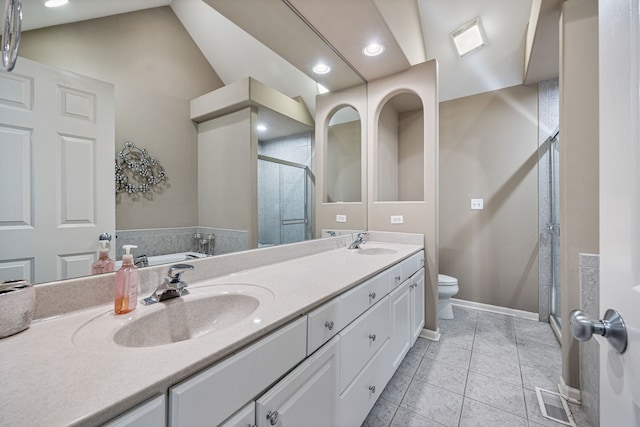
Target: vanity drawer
[(362, 297), (216, 393), (411, 265), (323, 323), (395, 276), (358, 399), (361, 340)]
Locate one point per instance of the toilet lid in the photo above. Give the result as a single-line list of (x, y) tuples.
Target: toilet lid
[(444, 280)]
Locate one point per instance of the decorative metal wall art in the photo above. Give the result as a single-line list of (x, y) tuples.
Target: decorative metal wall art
[(137, 171)]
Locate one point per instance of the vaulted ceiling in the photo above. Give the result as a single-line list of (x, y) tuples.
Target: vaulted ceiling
[(279, 41)]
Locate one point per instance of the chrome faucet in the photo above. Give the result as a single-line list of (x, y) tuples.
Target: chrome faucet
[(170, 288), (141, 261), (358, 242)]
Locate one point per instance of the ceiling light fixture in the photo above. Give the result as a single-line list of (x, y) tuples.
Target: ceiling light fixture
[(321, 68), (469, 37), (261, 127), (55, 3), (373, 49)]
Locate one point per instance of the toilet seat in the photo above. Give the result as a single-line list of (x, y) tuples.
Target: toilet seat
[(444, 280)]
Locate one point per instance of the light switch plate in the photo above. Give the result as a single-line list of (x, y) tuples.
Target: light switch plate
[(477, 204), (341, 218), (397, 219)]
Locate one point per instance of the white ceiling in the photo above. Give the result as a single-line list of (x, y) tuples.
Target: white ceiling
[(294, 34)]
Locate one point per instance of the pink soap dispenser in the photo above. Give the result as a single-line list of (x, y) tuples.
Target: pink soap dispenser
[(126, 283), (103, 264)]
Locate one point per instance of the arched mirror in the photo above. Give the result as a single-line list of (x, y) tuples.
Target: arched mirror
[(401, 149), (343, 175)]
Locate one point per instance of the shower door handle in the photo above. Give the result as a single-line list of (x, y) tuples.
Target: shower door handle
[(611, 327)]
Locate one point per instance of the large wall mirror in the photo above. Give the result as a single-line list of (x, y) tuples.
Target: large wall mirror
[(401, 149), (344, 157), (156, 68)]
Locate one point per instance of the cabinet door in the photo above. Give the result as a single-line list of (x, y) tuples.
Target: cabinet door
[(308, 396), (148, 414), (417, 305), (216, 393), (245, 417), (401, 332)]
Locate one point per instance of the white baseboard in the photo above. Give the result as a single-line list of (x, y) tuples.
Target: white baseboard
[(495, 309), (569, 393), (430, 335)]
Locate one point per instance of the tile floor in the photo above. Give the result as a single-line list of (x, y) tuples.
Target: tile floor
[(482, 372)]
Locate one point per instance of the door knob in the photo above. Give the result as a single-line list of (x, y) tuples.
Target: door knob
[(611, 327)]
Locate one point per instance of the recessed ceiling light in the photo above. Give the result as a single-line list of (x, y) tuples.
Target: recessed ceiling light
[(469, 37), (374, 49), (55, 3), (261, 127), (321, 68), (322, 89)]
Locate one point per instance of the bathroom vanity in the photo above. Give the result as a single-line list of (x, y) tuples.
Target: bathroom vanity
[(303, 340)]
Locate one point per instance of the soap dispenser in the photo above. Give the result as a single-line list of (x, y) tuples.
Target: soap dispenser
[(103, 264), (126, 283)]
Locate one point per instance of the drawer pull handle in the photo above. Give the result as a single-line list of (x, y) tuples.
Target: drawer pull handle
[(273, 417), (329, 325), (397, 278), (372, 295), (372, 389), (372, 337)]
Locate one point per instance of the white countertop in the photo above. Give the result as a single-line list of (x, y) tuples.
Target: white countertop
[(50, 378)]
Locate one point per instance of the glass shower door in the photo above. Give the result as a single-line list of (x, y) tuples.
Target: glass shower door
[(554, 226), (283, 203)]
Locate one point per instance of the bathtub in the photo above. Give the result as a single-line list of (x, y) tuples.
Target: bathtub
[(169, 258)]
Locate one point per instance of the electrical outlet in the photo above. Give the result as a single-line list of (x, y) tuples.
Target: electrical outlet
[(397, 219), (477, 204), (341, 218)]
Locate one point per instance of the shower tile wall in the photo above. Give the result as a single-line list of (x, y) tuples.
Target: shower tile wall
[(590, 350), (548, 122)]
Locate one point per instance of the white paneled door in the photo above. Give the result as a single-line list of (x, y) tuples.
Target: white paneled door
[(57, 191), (619, 69)]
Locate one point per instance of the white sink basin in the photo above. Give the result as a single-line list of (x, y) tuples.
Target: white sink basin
[(375, 251), (183, 318), (206, 310)]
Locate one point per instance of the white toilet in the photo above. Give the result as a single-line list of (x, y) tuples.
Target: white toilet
[(447, 287)]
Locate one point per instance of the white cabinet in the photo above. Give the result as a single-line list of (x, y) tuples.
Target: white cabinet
[(324, 322), (401, 315), (407, 316), (361, 340), (216, 393), (358, 399), (308, 396), (148, 414), (417, 304), (362, 297), (245, 417)]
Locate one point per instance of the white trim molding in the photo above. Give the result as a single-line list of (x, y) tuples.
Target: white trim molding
[(430, 335), (569, 393), (495, 309)]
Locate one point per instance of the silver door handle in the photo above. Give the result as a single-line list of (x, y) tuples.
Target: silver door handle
[(611, 327)]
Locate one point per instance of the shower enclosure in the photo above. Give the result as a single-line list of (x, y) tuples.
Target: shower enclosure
[(553, 229), (284, 202)]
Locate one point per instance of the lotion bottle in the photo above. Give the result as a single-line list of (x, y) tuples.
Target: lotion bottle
[(103, 264), (126, 283)]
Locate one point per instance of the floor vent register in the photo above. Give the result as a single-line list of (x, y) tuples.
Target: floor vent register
[(554, 407)]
